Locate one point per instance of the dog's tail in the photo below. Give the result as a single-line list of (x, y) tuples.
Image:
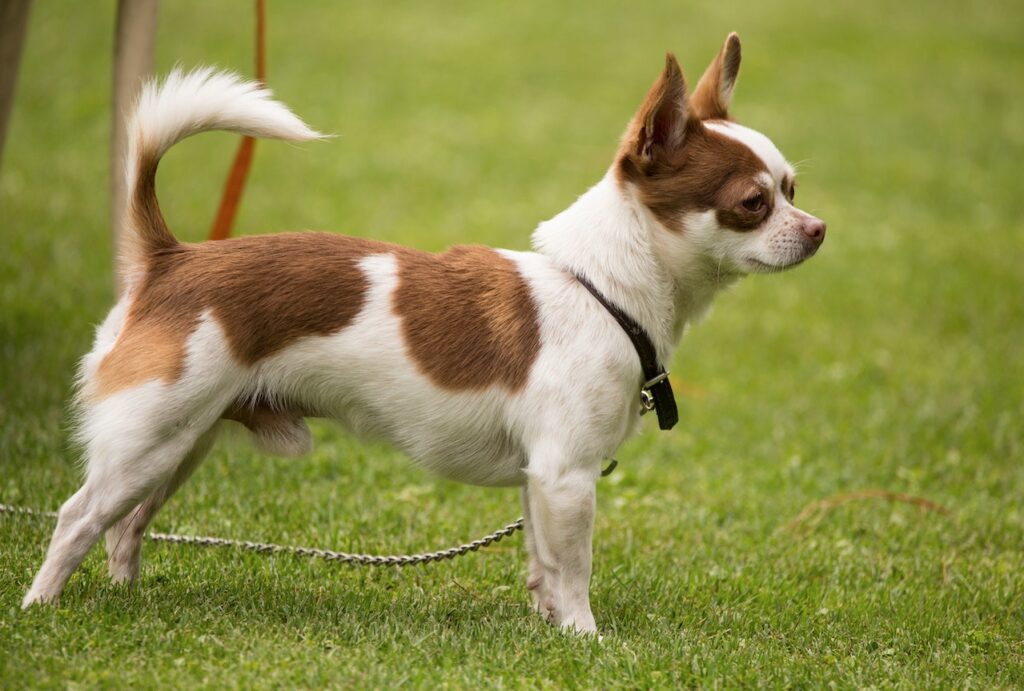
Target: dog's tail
[(187, 103)]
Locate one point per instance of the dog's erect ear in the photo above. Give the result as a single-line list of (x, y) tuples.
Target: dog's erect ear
[(658, 127), (713, 94)]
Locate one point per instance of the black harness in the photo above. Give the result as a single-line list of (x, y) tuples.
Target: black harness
[(656, 391)]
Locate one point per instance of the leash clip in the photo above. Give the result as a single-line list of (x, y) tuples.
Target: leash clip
[(646, 402), (646, 397)]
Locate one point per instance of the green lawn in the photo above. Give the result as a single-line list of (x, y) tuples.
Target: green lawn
[(893, 360)]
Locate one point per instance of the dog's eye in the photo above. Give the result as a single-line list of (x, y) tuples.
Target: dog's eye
[(755, 203), (792, 193)]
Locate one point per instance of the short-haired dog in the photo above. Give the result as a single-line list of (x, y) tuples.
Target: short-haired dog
[(488, 366)]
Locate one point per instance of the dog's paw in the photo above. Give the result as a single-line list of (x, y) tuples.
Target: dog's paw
[(33, 597), (122, 574), (582, 624)]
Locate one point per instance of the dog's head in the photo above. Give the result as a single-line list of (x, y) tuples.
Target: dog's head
[(722, 193)]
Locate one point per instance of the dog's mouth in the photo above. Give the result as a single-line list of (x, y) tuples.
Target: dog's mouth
[(761, 267)]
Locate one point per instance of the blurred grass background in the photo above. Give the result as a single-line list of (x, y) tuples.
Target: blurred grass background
[(893, 360)]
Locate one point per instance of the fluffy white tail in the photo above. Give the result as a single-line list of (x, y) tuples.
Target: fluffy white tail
[(187, 103)]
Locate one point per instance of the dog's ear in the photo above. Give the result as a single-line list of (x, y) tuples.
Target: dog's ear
[(659, 126), (713, 94)]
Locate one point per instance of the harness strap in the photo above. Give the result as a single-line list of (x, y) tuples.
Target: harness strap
[(656, 391)]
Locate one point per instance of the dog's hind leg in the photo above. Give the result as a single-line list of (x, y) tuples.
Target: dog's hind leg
[(124, 539), (101, 501), (135, 444)]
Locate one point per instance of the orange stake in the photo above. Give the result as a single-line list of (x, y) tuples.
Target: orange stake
[(235, 184)]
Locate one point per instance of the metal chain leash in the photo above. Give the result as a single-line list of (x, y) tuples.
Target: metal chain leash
[(326, 554)]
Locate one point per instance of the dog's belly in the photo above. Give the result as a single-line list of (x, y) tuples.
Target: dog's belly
[(478, 457), (364, 377), (459, 440), (462, 438)]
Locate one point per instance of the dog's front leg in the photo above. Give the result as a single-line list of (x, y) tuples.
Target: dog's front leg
[(561, 513), (536, 582)]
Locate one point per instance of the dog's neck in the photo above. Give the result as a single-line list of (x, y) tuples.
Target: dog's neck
[(608, 237)]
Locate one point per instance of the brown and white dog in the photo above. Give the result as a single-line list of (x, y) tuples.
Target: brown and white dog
[(488, 366)]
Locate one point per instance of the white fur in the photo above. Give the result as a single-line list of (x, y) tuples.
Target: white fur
[(190, 102), (579, 404), (756, 142)]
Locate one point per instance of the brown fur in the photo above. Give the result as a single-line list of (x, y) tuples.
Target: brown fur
[(709, 171), (265, 292), (468, 318), (145, 350), (678, 165), (655, 129)]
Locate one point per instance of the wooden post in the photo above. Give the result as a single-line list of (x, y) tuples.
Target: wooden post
[(134, 41), (13, 25)]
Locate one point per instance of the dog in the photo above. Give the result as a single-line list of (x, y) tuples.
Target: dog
[(491, 367)]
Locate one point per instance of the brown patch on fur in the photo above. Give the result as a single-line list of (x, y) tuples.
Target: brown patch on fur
[(265, 292), (732, 214), (678, 165), (468, 317), (709, 171), (147, 350)]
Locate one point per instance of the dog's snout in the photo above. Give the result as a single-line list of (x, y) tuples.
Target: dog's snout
[(814, 229)]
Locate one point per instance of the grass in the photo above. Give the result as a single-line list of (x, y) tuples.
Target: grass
[(892, 361)]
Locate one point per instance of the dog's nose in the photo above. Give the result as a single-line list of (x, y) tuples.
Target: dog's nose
[(814, 228)]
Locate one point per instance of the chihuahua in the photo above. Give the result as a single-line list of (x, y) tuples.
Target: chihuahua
[(487, 366)]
